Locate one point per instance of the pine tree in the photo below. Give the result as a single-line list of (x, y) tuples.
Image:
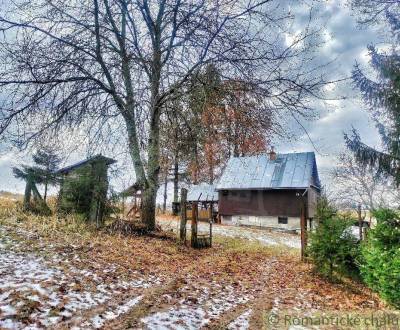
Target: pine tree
[(382, 96), (47, 162), (32, 176)]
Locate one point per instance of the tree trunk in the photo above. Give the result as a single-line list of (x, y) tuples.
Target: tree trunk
[(153, 152), (360, 232), (176, 179), (45, 191), (211, 171), (27, 195), (165, 193), (148, 215), (196, 167), (41, 204), (149, 184)]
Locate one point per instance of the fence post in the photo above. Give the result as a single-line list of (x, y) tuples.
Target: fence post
[(303, 224), (182, 229), (211, 233), (194, 224)]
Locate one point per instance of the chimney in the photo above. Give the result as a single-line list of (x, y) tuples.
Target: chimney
[(272, 154)]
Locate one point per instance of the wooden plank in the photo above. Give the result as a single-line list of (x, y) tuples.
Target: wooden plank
[(303, 225), (194, 224), (182, 229)]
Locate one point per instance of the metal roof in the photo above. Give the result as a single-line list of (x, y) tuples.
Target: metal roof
[(93, 159), (202, 193), (294, 170)]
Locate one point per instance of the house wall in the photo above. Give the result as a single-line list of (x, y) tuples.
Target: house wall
[(260, 202), (262, 208), (261, 221)]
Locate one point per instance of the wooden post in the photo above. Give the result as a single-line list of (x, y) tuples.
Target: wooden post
[(303, 224), (195, 215), (210, 233), (182, 229), (211, 221)]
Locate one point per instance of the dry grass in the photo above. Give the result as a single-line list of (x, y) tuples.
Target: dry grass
[(274, 270), (52, 227)]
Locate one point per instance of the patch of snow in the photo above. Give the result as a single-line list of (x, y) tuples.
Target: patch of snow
[(196, 312), (53, 293), (10, 324), (184, 318), (252, 234), (8, 310), (242, 322), (99, 319)]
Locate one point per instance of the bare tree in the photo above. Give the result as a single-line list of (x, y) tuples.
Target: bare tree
[(112, 64), (358, 184), (372, 11)]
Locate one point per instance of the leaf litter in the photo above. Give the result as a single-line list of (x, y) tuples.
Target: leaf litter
[(107, 282)]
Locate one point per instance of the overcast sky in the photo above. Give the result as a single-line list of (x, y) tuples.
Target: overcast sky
[(346, 44)]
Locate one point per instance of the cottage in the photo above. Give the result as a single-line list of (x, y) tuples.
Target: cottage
[(83, 188), (269, 190)]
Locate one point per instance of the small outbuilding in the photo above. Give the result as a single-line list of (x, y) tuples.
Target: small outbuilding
[(83, 188), (135, 192), (270, 190), (206, 196)]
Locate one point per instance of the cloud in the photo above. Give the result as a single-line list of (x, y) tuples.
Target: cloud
[(345, 43)]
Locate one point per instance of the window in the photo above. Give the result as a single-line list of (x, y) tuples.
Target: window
[(225, 192), (283, 220)]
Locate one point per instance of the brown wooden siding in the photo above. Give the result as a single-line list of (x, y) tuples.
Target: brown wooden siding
[(260, 202)]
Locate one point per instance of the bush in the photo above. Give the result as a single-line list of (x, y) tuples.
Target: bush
[(333, 249), (380, 256)]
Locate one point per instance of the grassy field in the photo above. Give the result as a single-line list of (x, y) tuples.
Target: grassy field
[(98, 279)]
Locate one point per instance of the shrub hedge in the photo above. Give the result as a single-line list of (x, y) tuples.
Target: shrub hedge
[(380, 256)]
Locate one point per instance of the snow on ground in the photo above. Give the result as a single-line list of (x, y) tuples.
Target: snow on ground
[(62, 290), (253, 234), (242, 322), (98, 320), (39, 293), (200, 306), (59, 289)]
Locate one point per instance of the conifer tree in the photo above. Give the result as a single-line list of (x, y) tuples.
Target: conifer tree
[(382, 96), (47, 162)]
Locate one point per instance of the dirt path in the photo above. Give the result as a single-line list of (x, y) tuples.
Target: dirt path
[(115, 282)]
